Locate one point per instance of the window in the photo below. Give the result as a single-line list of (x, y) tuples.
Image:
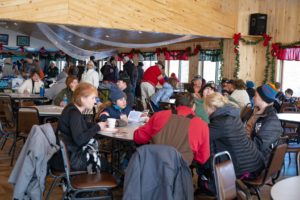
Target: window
[(180, 68), (148, 63), (210, 70), (60, 64), (290, 76)]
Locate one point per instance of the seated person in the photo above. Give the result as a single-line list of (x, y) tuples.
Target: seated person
[(195, 87), (118, 108), (52, 71), (163, 94), (179, 128), (32, 85), (240, 94), (227, 133), (288, 97), (71, 83), (208, 89), (77, 133), (124, 85), (264, 127)]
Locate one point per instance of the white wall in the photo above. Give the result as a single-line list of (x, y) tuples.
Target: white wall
[(34, 43)]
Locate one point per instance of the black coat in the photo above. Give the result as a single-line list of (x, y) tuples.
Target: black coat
[(227, 133), (266, 131), (131, 71)]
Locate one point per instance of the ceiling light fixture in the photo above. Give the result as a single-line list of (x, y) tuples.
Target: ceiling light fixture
[(140, 32), (16, 24), (82, 39), (107, 36)]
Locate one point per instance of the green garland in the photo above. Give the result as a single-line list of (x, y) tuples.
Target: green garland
[(289, 45), (221, 60), (266, 75), (270, 62), (237, 62)]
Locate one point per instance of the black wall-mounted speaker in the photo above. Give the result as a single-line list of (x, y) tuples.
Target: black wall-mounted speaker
[(258, 24)]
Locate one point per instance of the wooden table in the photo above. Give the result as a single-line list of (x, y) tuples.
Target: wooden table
[(286, 189), (49, 110)]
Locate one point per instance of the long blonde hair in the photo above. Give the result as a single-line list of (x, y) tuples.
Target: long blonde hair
[(215, 100)]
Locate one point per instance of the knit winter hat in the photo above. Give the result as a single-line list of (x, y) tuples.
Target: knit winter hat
[(115, 94), (267, 92), (250, 84)]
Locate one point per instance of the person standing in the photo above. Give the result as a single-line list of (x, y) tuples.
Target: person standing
[(140, 75), (130, 69), (90, 76), (152, 76)]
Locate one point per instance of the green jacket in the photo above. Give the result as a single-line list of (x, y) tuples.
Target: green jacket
[(200, 112), (61, 94)]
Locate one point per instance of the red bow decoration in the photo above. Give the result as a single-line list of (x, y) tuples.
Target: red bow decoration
[(197, 49), (158, 51), (167, 55), (275, 49), (1, 46), (236, 38), (22, 49), (130, 55), (267, 39)]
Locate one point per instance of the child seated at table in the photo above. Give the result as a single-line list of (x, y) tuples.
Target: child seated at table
[(163, 94), (118, 108)]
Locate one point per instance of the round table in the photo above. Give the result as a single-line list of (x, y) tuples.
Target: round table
[(123, 133), (289, 117), (286, 189)]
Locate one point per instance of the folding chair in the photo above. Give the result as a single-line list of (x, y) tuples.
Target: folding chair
[(84, 183), (227, 186)]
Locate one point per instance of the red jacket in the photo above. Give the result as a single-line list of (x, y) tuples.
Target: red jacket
[(198, 132), (151, 74)]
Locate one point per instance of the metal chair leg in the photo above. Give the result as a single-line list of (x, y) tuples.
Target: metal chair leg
[(52, 187), (257, 192)]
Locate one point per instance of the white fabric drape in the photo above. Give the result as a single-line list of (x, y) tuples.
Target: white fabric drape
[(128, 45), (70, 49)]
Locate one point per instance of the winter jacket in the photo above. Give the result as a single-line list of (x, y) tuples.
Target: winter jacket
[(162, 94), (115, 112), (157, 172), (91, 76), (60, 96), (227, 134), (198, 131), (29, 173), (266, 131), (131, 71)]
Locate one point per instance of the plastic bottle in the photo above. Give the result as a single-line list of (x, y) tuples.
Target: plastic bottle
[(42, 91), (65, 100)]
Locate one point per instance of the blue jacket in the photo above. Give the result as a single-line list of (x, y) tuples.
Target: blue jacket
[(163, 94), (115, 112)]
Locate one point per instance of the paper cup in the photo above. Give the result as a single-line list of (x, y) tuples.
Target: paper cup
[(111, 122)]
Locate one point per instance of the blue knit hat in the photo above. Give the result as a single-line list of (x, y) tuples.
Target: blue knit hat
[(250, 84), (267, 92), (115, 94)]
